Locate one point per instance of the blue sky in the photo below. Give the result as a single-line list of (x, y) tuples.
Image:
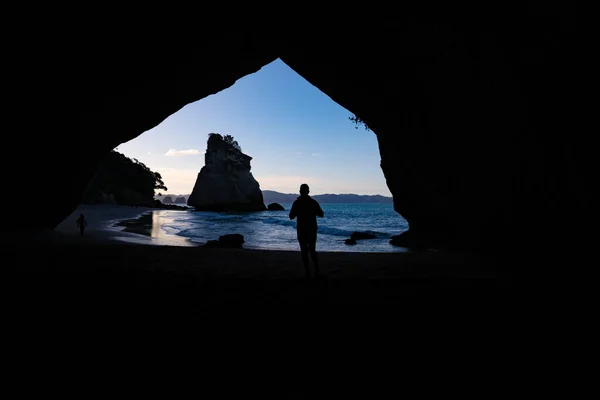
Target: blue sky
[(293, 132)]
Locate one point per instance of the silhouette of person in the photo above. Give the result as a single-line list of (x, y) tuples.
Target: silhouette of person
[(81, 223), (307, 209)]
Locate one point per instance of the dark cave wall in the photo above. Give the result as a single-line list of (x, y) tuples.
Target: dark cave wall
[(121, 90), (471, 120), (430, 101)]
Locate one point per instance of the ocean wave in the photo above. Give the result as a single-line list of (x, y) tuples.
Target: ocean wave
[(326, 230), (276, 221), (274, 230), (226, 218), (346, 232), (383, 235)]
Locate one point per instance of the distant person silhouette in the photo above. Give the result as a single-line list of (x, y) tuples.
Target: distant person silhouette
[(81, 223), (307, 210)]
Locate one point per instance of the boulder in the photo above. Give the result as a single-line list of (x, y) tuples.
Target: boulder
[(232, 240), (362, 235), (275, 207)]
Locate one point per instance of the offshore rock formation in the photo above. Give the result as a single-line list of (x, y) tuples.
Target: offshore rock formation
[(225, 183)]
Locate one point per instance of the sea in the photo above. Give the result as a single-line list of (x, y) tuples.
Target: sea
[(273, 230)]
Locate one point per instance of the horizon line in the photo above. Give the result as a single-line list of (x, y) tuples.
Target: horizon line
[(292, 194)]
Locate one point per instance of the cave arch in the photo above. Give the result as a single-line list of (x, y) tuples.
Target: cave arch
[(275, 115)]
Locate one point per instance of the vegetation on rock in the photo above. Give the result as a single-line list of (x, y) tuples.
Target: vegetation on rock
[(127, 180), (227, 139)]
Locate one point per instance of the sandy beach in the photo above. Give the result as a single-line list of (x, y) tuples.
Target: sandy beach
[(103, 297)]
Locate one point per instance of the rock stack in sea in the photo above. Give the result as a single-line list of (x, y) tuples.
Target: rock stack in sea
[(225, 183)]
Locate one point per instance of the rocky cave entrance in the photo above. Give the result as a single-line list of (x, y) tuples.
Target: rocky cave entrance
[(294, 133)]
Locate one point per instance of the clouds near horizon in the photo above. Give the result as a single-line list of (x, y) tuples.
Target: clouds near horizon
[(178, 180), (180, 153)]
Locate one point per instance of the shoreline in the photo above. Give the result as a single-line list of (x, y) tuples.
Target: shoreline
[(119, 225), (128, 229), (115, 223), (127, 224)]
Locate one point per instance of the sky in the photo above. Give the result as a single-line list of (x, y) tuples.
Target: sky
[(294, 133)]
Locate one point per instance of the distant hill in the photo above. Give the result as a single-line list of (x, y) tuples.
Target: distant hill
[(174, 198), (271, 196)]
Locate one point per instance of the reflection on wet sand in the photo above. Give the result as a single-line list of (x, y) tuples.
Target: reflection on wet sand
[(149, 224)]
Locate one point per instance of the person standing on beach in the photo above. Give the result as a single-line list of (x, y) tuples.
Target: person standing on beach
[(81, 223), (307, 209)]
